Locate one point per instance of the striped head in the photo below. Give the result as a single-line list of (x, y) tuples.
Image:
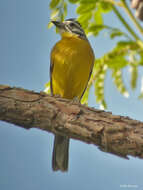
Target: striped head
[(70, 25)]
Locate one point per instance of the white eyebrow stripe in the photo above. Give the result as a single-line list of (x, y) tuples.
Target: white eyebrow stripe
[(75, 22), (77, 29)]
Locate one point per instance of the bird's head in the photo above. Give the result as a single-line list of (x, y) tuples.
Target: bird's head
[(71, 26)]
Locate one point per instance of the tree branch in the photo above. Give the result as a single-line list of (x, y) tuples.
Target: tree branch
[(115, 134)]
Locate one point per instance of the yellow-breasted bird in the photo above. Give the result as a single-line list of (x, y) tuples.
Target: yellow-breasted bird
[(72, 60)]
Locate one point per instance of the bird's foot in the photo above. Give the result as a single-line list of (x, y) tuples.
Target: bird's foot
[(75, 100), (57, 96)]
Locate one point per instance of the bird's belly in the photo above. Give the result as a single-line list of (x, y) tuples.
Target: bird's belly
[(71, 71), (71, 79)]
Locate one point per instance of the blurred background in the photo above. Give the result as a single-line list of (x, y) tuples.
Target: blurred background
[(25, 155)]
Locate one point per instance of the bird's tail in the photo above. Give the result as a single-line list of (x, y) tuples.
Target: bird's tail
[(60, 153)]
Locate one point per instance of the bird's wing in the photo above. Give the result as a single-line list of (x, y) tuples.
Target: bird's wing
[(51, 71), (87, 81)]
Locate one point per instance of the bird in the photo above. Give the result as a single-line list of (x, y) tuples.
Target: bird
[(71, 65)]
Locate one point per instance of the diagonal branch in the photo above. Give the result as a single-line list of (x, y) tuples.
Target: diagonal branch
[(115, 134)]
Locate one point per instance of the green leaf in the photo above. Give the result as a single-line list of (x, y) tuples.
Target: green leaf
[(100, 73), (140, 96), (47, 88), (84, 99), (103, 105), (115, 33), (88, 1), (54, 13), (117, 58), (54, 3), (98, 17), (95, 29), (49, 25), (83, 9), (73, 1), (134, 76), (106, 7), (117, 62), (84, 19), (141, 57), (59, 10), (65, 9), (118, 81)]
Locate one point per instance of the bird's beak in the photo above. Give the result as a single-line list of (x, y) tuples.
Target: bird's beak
[(58, 24)]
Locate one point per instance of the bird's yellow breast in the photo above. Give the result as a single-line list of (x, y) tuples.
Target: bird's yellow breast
[(72, 59)]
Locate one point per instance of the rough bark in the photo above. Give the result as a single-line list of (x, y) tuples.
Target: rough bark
[(115, 134)]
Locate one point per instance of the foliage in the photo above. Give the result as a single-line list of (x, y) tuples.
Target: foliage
[(126, 53)]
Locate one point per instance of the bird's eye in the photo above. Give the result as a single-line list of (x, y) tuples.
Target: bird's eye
[(72, 24)]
